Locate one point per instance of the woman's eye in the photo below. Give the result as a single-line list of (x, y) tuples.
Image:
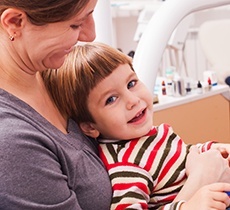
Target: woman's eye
[(110, 100), (75, 26), (132, 84)]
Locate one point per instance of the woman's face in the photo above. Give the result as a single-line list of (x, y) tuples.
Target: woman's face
[(46, 46)]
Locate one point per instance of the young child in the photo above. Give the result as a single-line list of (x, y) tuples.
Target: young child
[(98, 88)]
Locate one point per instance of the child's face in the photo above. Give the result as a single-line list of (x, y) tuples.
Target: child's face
[(121, 105)]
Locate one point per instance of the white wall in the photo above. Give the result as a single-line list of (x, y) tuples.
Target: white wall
[(125, 28)]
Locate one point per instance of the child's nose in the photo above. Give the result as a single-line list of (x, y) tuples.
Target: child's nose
[(131, 101)]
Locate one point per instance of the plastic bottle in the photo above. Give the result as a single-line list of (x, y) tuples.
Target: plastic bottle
[(178, 85), (199, 88), (169, 73), (209, 84), (163, 88)]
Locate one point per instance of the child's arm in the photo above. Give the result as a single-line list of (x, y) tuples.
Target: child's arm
[(132, 192), (132, 187)]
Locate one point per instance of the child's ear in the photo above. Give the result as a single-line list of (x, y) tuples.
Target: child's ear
[(89, 130)]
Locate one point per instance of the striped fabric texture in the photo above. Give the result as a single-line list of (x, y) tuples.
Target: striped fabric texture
[(147, 172)]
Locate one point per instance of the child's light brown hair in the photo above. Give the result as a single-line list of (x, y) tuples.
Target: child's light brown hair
[(82, 70)]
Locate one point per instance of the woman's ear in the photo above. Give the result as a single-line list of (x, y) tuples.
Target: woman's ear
[(89, 130), (13, 20)]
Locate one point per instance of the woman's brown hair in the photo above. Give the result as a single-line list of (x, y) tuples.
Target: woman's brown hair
[(41, 12)]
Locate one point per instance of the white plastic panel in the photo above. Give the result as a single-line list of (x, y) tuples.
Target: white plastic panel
[(159, 29)]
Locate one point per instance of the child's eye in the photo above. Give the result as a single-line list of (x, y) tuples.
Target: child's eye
[(110, 100), (131, 84)]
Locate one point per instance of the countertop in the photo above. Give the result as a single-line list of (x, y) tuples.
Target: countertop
[(171, 101)]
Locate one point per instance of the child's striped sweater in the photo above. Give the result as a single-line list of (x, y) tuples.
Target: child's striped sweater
[(148, 172)]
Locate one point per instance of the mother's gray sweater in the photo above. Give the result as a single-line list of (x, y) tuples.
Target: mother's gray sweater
[(42, 168)]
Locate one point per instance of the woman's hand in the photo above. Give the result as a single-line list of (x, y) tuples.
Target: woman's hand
[(208, 167), (203, 169), (209, 197)]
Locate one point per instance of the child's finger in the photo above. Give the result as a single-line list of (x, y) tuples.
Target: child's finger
[(194, 149)]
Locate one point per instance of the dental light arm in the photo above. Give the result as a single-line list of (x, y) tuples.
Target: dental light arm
[(158, 31)]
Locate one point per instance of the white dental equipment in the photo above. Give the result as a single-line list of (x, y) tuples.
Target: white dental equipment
[(158, 31)]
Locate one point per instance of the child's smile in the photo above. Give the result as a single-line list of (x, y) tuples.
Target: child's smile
[(139, 118), (121, 105)]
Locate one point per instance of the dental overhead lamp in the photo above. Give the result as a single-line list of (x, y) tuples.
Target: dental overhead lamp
[(155, 38)]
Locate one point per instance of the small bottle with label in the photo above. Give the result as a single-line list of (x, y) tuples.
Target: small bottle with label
[(169, 88), (178, 85), (209, 84), (169, 80), (188, 88), (199, 88), (163, 88)]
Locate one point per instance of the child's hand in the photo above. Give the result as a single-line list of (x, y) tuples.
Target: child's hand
[(209, 197)]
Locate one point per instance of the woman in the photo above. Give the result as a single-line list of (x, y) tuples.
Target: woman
[(46, 163)]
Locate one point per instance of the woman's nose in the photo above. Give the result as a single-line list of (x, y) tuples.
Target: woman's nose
[(88, 34)]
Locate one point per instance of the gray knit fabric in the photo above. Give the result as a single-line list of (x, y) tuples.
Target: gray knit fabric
[(42, 168)]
